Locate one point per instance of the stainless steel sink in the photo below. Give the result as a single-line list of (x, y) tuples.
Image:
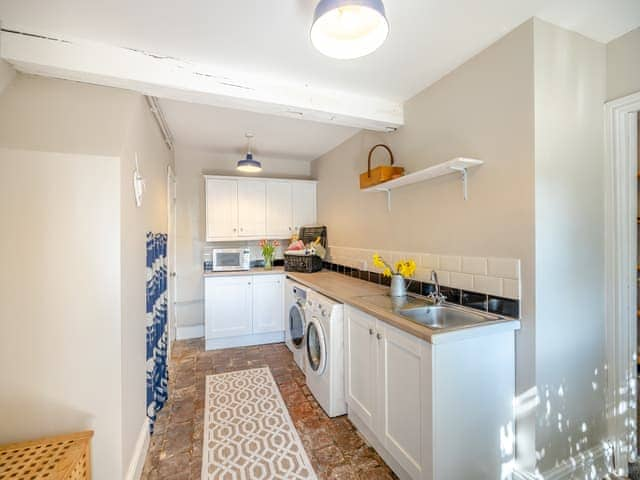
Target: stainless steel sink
[(445, 316), (420, 310)]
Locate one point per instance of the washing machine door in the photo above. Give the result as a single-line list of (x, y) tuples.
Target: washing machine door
[(316, 347), (296, 325)]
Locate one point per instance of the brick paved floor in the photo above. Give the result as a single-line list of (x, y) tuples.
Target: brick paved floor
[(335, 449)]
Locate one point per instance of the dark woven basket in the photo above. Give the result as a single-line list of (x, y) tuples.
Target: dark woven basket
[(309, 234), (302, 263)]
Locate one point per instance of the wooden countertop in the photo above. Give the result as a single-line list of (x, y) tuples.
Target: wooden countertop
[(347, 290)]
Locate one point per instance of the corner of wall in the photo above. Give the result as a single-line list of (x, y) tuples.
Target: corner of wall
[(7, 74)]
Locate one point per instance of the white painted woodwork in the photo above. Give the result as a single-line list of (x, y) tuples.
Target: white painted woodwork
[(361, 364), (241, 208), (243, 310), (228, 306), (400, 396), (221, 208), (279, 209), (268, 303), (172, 78), (304, 204), (432, 411), (251, 208)]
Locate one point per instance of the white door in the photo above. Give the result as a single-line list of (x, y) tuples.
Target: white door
[(227, 306), (304, 204), (401, 400), (251, 208), (268, 303), (171, 256), (361, 364), (279, 209), (222, 208)]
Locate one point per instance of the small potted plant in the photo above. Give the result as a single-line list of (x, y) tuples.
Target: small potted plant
[(404, 269), (268, 252)]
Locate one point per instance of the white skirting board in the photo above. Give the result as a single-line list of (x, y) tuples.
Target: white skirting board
[(244, 340), (189, 331), (139, 453)]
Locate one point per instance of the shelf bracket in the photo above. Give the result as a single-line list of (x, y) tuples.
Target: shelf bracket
[(463, 171)]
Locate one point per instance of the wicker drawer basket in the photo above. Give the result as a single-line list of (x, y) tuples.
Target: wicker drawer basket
[(65, 457)]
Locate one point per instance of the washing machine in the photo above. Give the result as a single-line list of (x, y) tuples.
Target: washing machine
[(296, 322), (324, 353)]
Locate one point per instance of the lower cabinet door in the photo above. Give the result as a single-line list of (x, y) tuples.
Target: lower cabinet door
[(361, 365), (402, 400), (268, 303), (227, 306)]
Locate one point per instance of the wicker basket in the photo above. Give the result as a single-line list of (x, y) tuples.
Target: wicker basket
[(302, 263)]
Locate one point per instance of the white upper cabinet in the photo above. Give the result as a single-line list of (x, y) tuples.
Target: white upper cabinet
[(222, 208), (279, 209), (251, 208), (254, 208), (304, 204)]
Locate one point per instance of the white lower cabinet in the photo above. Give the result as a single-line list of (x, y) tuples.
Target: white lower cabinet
[(433, 411), (243, 310)]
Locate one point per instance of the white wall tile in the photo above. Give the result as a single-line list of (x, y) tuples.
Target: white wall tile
[(474, 265), (430, 261), (450, 263), (461, 280), (443, 277), (488, 285), (511, 288), (504, 267), (422, 274)]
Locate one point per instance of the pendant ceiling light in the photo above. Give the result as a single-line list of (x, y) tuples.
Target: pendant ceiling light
[(349, 28), (248, 163)]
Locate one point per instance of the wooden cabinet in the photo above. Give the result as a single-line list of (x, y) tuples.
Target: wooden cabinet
[(361, 361), (304, 204), (268, 303), (251, 208), (228, 306), (221, 208), (432, 411), (242, 310), (279, 209), (255, 208)]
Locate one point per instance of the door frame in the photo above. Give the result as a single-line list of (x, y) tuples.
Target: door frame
[(621, 213), (171, 257)]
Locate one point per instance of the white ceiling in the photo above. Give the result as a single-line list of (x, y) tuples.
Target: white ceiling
[(270, 38), (223, 130)]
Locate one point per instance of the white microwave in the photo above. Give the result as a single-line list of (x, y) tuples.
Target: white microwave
[(230, 259)]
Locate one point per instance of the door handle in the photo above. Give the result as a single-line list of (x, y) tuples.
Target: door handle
[(173, 274), (371, 331), (378, 336)]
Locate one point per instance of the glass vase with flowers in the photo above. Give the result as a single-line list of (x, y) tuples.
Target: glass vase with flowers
[(268, 252)]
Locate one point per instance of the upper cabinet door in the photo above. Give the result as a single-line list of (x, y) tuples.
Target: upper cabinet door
[(221, 208), (251, 208), (304, 204), (279, 209)]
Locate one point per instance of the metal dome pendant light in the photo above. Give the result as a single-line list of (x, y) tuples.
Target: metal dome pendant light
[(347, 29), (248, 163)]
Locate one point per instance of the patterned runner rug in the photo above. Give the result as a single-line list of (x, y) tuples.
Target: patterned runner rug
[(248, 433)]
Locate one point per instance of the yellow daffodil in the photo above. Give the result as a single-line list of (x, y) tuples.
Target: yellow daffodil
[(406, 268), (387, 272), (377, 261)]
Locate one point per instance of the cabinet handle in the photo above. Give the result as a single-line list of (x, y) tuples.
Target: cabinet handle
[(371, 331), (378, 336), (234, 229)]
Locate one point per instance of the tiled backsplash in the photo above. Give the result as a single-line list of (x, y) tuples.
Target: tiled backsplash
[(254, 247), (489, 284)]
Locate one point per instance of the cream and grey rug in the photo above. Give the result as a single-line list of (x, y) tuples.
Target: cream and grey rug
[(248, 433)]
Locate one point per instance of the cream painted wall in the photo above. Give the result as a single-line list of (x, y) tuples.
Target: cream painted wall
[(154, 157), (60, 300), (54, 115), (190, 166), (623, 65), (530, 199), (7, 74), (38, 113), (570, 90)]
